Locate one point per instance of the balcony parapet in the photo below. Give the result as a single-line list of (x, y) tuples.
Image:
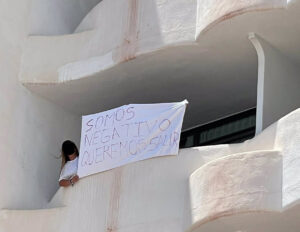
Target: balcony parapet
[(240, 183), (255, 181), (212, 12), (114, 32)]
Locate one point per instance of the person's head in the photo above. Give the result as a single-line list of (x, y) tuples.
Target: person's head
[(69, 150)]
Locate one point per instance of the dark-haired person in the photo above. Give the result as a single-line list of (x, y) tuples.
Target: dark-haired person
[(68, 175)]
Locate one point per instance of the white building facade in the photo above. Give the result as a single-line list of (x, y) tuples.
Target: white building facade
[(64, 59)]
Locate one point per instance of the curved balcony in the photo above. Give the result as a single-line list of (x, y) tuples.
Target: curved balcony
[(212, 12), (240, 187), (104, 39), (147, 47), (236, 184)]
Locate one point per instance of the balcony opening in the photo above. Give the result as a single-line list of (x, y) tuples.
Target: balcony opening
[(235, 128)]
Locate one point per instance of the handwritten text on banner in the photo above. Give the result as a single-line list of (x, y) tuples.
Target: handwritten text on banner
[(128, 134)]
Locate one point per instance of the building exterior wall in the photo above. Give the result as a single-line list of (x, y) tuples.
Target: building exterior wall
[(154, 195), (137, 27), (281, 85), (179, 193), (212, 12), (278, 83), (31, 128), (57, 17)]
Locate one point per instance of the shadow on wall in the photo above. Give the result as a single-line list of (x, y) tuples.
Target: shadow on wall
[(58, 17)]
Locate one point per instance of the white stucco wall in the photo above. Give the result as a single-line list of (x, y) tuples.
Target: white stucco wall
[(31, 128), (281, 88), (235, 184), (212, 12), (287, 140), (278, 83), (181, 193), (135, 27), (57, 16)]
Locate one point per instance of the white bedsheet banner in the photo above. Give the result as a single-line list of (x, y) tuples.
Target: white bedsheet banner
[(128, 134)]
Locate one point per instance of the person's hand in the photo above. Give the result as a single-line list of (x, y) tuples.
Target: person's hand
[(75, 179)]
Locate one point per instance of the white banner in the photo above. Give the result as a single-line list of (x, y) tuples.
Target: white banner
[(128, 134)]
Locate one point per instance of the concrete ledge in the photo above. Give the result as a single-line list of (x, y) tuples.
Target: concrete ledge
[(47, 220), (107, 39), (239, 183), (104, 40), (212, 12)]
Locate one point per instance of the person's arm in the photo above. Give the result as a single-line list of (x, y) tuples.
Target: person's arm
[(66, 183)]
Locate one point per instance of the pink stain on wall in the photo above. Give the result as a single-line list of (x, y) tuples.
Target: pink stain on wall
[(129, 45)]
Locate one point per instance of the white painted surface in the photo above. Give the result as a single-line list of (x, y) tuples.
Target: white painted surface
[(155, 195), (57, 17), (158, 49), (287, 140), (77, 70), (158, 202), (235, 184), (136, 27), (278, 84), (260, 82), (31, 128), (212, 12)]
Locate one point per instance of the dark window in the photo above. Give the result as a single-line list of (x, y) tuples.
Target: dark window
[(232, 129)]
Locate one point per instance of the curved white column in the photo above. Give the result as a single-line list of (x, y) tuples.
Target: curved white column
[(277, 86), (260, 82)]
